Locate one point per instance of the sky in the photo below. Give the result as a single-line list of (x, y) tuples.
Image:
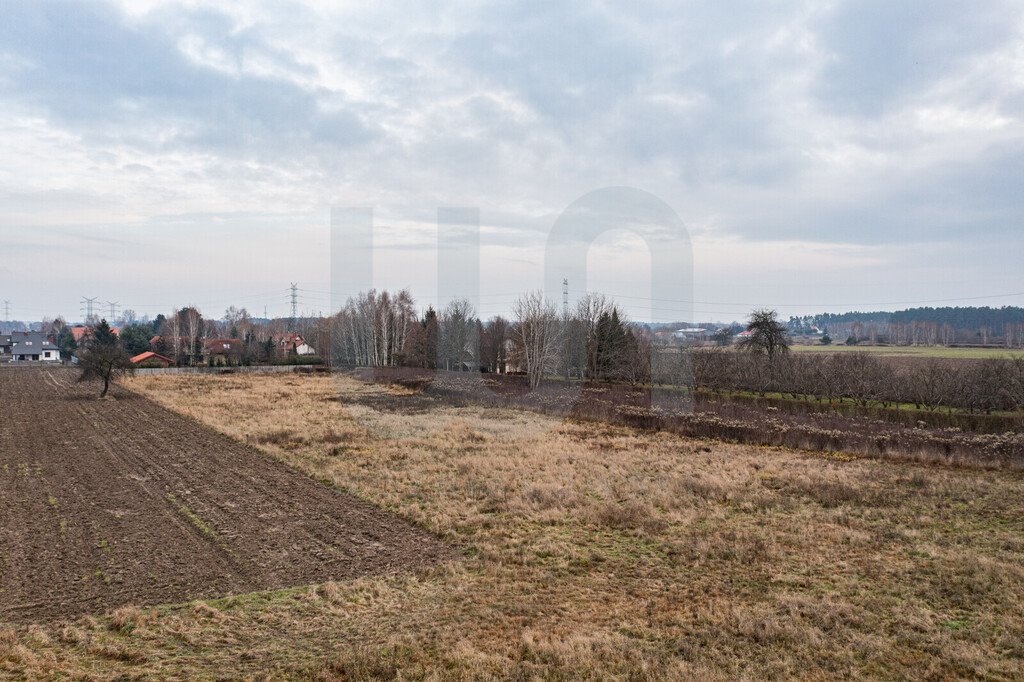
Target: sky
[(822, 156)]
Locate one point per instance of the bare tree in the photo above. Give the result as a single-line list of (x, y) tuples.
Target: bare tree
[(493, 342), (192, 320), (103, 358), (581, 330), (537, 333), (372, 329), (458, 344)]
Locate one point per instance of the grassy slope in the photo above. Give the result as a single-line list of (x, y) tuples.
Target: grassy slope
[(592, 552)]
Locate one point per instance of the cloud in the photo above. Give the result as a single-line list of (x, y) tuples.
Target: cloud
[(115, 82), (867, 126), (880, 52)]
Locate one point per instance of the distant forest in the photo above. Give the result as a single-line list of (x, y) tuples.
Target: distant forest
[(921, 326)]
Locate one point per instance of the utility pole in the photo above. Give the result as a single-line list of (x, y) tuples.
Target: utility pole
[(87, 307), (295, 304), (565, 297)]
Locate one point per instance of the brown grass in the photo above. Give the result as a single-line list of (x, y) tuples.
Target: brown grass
[(590, 551)]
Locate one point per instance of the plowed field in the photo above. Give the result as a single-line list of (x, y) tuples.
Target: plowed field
[(112, 502)]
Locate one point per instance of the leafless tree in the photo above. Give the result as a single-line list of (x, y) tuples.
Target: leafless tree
[(192, 320), (493, 343), (458, 343), (537, 334), (372, 328), (580, 331)]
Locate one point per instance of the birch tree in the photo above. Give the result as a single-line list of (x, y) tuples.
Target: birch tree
[(538, 334)]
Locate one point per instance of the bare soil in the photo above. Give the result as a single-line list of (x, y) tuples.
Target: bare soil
[(113, 502)]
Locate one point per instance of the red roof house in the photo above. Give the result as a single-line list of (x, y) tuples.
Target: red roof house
[(151, 359), (221, 351), (80, 332)]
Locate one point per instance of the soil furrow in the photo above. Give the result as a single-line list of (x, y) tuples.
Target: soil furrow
[(111, 502)]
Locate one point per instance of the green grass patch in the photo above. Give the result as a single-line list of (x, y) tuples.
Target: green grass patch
[(192, 517)]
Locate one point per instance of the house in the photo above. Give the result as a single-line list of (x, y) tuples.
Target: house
[(745, 334), (5, 346), (151, 359), (691, 333), (80, 331), (291, 343), (31, 347), (223, 351)]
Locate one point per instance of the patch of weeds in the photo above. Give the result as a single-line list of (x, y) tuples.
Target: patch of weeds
[(192, 517), (282, 438), (52, 501), (128, 618), (366, 663), (116, 652), (332, 438)]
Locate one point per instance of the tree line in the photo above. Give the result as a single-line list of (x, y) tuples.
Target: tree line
[(593, 341), (925, 325)]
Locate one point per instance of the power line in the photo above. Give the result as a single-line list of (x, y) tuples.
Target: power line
[(714, 303), (815, 305)]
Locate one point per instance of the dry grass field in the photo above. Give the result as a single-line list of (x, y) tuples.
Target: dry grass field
[(586, 551), (915, 351)]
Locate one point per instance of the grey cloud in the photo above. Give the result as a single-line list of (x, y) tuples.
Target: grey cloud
[(756, 120), (566, 60), (131, 84), (882, 51)]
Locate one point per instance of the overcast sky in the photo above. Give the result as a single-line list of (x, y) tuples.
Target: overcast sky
[(823, 155)]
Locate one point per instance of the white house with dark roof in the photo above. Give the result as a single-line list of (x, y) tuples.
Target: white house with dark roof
[(28, 347)]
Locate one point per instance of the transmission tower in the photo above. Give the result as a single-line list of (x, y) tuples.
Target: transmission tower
[(565, 297), (87, 307), (114, 305), (295, 303), (7, 311)]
